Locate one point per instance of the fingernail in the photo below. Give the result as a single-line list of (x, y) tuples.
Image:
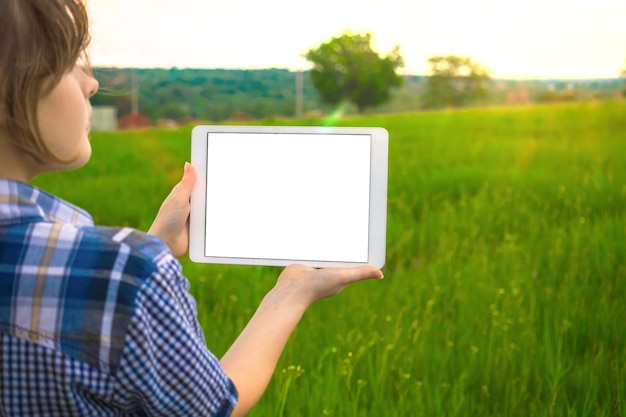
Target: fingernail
[(187, 166)]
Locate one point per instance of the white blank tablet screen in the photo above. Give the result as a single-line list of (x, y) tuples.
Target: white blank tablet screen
[(288, 196)]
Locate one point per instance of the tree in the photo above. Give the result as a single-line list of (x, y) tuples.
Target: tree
[(455, 81), (347, 69)]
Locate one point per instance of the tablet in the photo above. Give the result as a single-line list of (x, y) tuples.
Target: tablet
[(268, 195)]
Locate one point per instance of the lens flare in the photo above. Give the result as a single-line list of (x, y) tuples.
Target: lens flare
[(335, 116)]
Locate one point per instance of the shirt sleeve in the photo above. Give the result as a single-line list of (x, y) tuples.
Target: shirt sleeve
[(166, 367)]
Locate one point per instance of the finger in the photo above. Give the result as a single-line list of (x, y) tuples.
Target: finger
[(362, 272), (350, 275)]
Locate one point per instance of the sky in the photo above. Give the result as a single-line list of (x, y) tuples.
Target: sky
[(568, 39)]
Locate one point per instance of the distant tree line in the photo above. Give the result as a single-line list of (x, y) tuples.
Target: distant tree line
[(216, 95)]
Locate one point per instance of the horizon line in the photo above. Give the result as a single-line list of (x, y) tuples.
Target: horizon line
[(512, 78)]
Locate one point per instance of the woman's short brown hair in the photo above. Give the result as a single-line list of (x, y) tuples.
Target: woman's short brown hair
[(40, 41)]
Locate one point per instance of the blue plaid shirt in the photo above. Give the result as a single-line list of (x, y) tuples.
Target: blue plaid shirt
[(96, 321)]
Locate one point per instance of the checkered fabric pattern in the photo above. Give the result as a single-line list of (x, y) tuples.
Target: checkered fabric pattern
[(96, 321)]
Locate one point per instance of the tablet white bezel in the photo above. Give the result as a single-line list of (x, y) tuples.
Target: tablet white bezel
[(377, 204)]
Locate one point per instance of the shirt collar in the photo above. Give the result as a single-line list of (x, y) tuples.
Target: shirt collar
[(24, 203)]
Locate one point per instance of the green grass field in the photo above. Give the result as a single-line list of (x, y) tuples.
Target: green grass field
[(505, 283)]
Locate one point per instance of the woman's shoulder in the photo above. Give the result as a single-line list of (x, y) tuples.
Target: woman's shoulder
[(136, 250)]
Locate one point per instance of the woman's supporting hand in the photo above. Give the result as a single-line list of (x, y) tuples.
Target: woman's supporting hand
[(312, 284)]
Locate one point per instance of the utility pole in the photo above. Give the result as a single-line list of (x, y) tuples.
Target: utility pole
[(134, 103), (299, 93)]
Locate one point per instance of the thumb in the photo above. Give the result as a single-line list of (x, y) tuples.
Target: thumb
[(185, 185)]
